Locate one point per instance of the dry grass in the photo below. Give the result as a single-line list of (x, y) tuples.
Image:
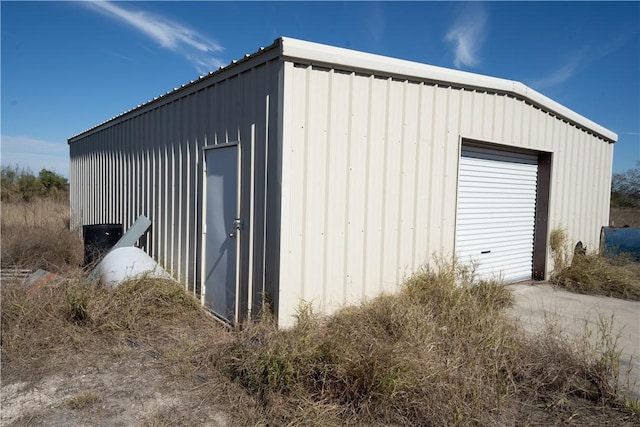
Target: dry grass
[(36, 235), (39, 213), (619, 217), (438, 353), (593, 274), (69, 316), (147, 332), (83, 400), (442, 351)]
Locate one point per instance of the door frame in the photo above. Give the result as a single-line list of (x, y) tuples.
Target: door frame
[(543, 190), (203, 249)]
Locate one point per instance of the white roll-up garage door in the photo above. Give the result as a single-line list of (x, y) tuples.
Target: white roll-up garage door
[(496, 212)]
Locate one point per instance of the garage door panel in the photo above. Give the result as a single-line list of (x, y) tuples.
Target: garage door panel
[(495, 238), (477, 192), (492, 218), (484, 237), (504, 183), (495, 221), (484, 154), (496, 212), (495, 231), (501, 204), (496, 247), (480, 170), (491, 153), (492, 268), (514, 213)]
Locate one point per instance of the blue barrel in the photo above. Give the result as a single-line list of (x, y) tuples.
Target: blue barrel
[(620, 240)]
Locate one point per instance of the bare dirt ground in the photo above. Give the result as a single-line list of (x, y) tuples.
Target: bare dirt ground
[(116, 394), (158, 373), (129, 386)]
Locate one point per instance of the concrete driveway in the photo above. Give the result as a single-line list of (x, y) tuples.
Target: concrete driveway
[(537, 304)]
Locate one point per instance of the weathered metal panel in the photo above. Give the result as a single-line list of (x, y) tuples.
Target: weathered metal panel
[(345, 59), (370, 176), (149, 162), (351, 173)]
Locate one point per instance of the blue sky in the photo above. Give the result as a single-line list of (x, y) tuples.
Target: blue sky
[(67, 66)]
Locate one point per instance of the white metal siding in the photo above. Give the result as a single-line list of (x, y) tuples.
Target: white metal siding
[(496, 212), (370, 177), (353, 171), (149, 162)]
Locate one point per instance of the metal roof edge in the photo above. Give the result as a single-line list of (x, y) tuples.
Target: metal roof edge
[(310, 51), (277, 42), (290, 48)]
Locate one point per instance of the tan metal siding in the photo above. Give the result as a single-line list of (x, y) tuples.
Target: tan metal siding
[(150, 163), (367, 162), (370, 172)]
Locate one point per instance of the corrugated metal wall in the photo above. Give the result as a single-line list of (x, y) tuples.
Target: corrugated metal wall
[(149, 162), (349, 183), (370, 167)]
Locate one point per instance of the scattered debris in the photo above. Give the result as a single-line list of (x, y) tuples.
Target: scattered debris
[(38, 279), (129, 239), (128, 263)]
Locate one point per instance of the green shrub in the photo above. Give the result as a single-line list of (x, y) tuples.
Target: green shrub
[(51, 183), (22, 184)]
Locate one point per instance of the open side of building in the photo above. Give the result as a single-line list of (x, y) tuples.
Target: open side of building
[(309, 172)]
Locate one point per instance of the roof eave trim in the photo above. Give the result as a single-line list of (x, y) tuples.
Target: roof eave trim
[(298, 49), (184, 87)]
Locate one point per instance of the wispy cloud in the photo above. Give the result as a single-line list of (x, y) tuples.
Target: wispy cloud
[(564, 73), (468, 34), (376, 21), (35, 154), (580, 59), (195, 47)]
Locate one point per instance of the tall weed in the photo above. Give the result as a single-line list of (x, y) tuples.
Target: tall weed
[(592, 273), (440, 352), (35, 234)]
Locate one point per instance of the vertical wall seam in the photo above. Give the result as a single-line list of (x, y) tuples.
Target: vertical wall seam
[(385, 144), (305, 155), (252, 218), (416, 166), (401, 173), (445, 163), (367, 170), (345, 253), (327, 192), (265, 189)]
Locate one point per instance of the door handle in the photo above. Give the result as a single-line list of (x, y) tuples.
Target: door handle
[(232, 235)]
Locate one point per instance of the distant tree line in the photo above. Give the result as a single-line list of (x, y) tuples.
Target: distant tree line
[(625, 188), (22, 184)]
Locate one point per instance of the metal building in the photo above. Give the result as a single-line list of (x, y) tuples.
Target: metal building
[(316, 173)]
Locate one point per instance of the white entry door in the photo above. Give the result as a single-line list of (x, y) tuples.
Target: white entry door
[(496, 212), (221, 230)]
